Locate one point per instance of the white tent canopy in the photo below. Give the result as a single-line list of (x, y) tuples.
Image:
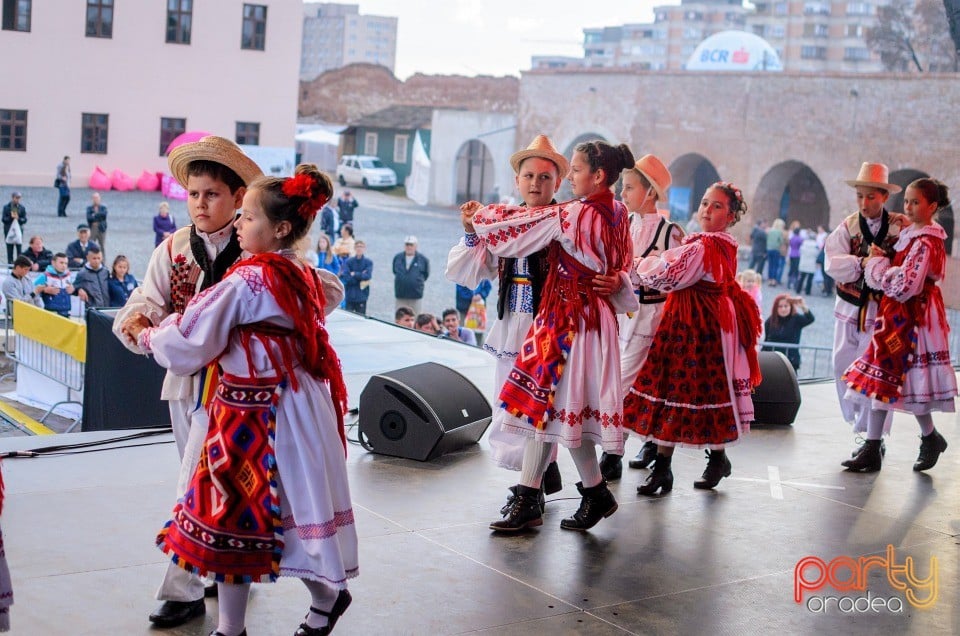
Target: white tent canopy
[(734, 51)]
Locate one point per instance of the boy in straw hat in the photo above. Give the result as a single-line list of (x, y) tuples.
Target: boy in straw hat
[(539, 170), (215, 173), (845, 252), (644, 185)]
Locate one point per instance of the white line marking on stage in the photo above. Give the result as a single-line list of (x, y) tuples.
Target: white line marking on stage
[(776, 485), (776, 490)]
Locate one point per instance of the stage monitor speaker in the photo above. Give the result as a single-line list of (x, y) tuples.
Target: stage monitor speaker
[(421, 412), (777, 399)]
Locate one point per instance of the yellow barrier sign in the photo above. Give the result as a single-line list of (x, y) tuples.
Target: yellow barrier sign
[(50, 329)]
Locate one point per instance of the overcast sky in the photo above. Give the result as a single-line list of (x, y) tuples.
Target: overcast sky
[(496, 37)]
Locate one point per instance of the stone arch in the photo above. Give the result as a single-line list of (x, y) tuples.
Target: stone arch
[(791, 191), (692, 174), (903, 178), (473, 172)]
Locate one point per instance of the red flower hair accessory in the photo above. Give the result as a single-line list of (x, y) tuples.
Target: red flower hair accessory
[(302, 185)]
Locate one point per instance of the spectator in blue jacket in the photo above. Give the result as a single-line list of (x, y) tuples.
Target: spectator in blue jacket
[(326, 259), (411, 269), (77, 250), (54, 286), (356, 273), (121, 282)]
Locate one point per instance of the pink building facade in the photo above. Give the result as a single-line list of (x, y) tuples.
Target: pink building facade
[(109, 84)]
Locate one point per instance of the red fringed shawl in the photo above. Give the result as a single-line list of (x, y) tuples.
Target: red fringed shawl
[(568, 297), (299, 292)]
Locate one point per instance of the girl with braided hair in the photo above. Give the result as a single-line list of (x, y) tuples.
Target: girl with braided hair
[(270, 496), (694, 387)]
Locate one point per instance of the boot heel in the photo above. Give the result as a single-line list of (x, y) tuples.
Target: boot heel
[(611, 511), (667, 484)]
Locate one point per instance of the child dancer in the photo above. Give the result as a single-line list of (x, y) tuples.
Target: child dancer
[(564, 386), (694, 388), (644, 185), (269, 496), (907, 366), (540, 170)]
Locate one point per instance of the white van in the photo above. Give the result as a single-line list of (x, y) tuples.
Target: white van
[(365, 170)]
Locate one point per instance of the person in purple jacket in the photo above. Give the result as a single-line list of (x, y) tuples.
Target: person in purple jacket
[(163, 224)]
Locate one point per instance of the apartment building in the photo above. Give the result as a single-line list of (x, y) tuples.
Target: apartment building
[(335, 35), (808, 35)]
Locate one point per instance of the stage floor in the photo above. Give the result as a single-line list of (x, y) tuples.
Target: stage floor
[(79, 532)]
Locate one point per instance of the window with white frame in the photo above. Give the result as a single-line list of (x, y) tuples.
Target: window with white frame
[(400, 143), (370, 143)]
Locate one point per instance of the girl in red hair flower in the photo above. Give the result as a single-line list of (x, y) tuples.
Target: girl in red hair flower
[(276, 423)]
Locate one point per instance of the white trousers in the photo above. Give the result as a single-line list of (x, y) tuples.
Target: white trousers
[(189, 431)]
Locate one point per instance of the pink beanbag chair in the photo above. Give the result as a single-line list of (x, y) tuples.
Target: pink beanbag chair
[(148, 182), (171, 189), (99, 180), (122, 181)]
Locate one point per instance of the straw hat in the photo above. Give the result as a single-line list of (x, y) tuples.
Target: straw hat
[(216, 149), (543, 148), (874, 175), (656, 173)]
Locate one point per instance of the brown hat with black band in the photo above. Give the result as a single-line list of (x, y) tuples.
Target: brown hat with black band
[(216, 149)]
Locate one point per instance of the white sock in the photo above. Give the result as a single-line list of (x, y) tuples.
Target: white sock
[(233, 607), (536, 456), (926, 424), (585, 459), (875, 424), (322, 597)]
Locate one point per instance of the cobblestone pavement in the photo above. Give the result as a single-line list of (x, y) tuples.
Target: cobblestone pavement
[(383, 219)]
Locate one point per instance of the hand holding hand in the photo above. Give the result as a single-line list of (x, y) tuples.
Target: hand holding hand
[(134, 324), (607, 284), (82, 295)]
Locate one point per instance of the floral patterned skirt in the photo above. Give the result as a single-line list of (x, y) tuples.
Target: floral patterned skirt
[(682, 396)]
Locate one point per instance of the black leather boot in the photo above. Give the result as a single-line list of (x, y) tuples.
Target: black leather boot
[(524, 511), (718, 467), (883, 448), (867, 460), (660, 478), (552, 481), (646, 456), (611, 466), (513, 495), (930, 448), (596, 503)]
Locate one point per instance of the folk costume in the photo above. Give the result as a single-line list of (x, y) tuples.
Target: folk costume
[(520, 288), (276, 427), (564, 385), (856, 306), (907, 366), (651, 235), (694, 388), (184, 264)]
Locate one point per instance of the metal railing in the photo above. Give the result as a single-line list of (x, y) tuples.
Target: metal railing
[(56, 365), (816, 362)]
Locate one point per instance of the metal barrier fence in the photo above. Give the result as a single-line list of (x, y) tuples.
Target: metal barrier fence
[(816, 362), (51, 363)]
